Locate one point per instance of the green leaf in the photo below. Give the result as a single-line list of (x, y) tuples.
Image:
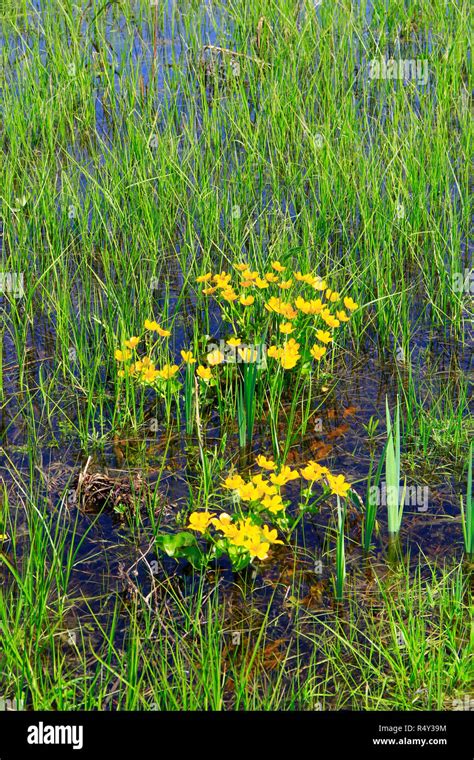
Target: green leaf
[(174, 543)]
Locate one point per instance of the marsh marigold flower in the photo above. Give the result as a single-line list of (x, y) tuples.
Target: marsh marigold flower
[(277, 266), (199, 521), (274, 504), (284, 476), (338, 484), (317, 352), (122, 356), (233, 482), (350, 304), (258, 549), (233, 342), (132, 342), (204, 373), (271, 536), (324, 336), (188, 357), (247, 300), (264, 463), (204, 277), (168, 371)]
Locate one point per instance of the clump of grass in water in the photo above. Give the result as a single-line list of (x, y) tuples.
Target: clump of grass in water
[(467, 512)]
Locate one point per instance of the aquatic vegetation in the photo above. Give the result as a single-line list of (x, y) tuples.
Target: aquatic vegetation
[(227, 236), (244, 360), (395, 499), (245, 535), (468, 510)]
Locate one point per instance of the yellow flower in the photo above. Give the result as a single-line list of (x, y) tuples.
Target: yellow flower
[(302, 305), (314, 471), (274, 504), (350, 304), (289, 360), (229, 294), (324, 336), (145, 362), (215, 357), (122, 356), (223, 519), (149, 375), (277, 266), (222, 280), (271, 277), (204, 277), (260, 283), (264, 463), (338, 484), (263, 486), (247, 283), (317, 352), (200, 521), (274, 352), (204, 373), (188, 357), (168, 371), (248, 355), (286, 328), (132, 342), (271, 536), (332, 295), (225, 525), (315, 306), (248, 492), (319, 284), (342, 316), (330, 320), (247, 300), (156, 328), (247, 274), (288, 311), (286, 284), (241, 267), (233, 482), (257, 549), (151, 325), (234, 342), (209, 291), (284, 476)]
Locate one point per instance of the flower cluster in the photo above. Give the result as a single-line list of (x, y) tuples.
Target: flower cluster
[(243, 534), (286, 307), (143, 368)]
